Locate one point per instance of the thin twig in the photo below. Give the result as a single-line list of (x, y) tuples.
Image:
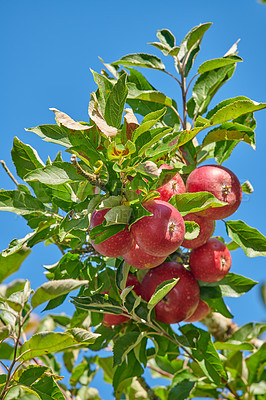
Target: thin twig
[(160, 371), (11, 176)]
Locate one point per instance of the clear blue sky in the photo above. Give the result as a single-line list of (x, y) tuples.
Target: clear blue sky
[(47, 48)]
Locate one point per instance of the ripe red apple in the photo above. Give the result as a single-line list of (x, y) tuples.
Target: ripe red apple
[(162, 233), (222, 183), (117, 319), (201, 311), (116, 245), (206, 230), (210, 262), (172, 187), (181, 302), (138, 258)]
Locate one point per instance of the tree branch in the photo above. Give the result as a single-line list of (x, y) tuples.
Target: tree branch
[(147, 388), (11, 176)]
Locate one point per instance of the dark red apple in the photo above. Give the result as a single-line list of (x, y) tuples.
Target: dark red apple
[(222, 183), (201, 311), (162, 233), (116, 319), (210, 262), (136, 257), (172, 187), (206, 230), (181, 302), (116, 245)]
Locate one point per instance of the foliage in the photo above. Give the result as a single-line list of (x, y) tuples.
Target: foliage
[(118, 155)]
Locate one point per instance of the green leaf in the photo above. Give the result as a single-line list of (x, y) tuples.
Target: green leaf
[(223, 150), (124, 344), (12, 262), (231, 131), (6, 351), (247, 187), (233, 345), (25, 158), (98, 303), (195, 202), (128, 369), (19, 203), (105, 87), (150, 138), (161, 291), (118, 215), (192, 39), (232, 285), (115, 102), (148, 122), (52, 342), (53, 289), (249, 239), (141, 60), (233, 110), (52, 133), (205, 88), (249, 331), (217, 304), (192, 230), (166, 37), (205, 353), (254, 362), (56, 174), (148, 95), (218, 63), (47, 389), (5, 332), (31, 374), (181, 390), (101, 233)]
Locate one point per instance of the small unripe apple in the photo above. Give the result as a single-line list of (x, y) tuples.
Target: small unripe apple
[(116, 245), (172, 187), (201, 311), (116, 319), (162, 233), (222, 183), (210, 262), (182, 300), (138, 258), (206, 230)]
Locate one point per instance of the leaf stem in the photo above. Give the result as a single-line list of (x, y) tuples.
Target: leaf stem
[(175, 78), (11, 176)]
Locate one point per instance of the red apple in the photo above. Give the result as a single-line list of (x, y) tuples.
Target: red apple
[(181, 302), (222, 183), (117, 319), (172, 187), (206, 230), (162, 233), (137, 258), (210, 262), (201, 311), (116, 245)]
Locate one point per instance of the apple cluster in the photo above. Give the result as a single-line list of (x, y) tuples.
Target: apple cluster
[(153, 238)]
